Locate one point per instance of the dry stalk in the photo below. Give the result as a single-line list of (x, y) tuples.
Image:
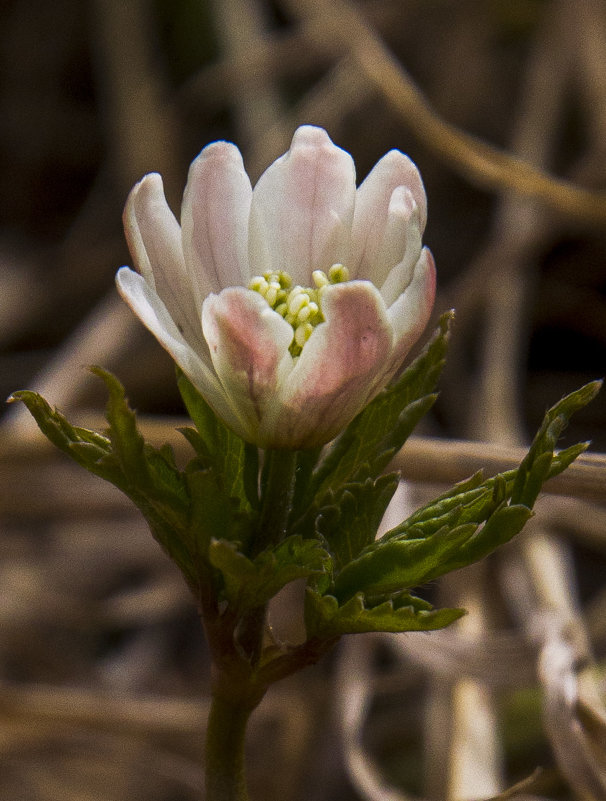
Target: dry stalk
[(339, 21)]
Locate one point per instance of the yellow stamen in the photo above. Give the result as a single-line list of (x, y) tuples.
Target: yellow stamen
[(303, 333), (300, 306), (319, 278), (338, 274)]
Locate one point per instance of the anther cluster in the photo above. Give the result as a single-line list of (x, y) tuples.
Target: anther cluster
[(298, 305)]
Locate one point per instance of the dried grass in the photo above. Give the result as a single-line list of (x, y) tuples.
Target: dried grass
[(103, 672)]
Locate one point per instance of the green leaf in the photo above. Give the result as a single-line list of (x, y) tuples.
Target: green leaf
[(292, 559), (146, 475), (350, 520), (236, 462), (206, 421), (395, 565), (211, 513), (501, 526), (563, 459), (470, 505), (251, 583), (236, 569), (325, 618), (85, 447), (446, 509), (147, 469), (89, 449), (468, 522), (127, 443), (306, 462), (150, 479), (379, 431), (537, 465)]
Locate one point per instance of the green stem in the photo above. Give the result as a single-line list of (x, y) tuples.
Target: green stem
[(276, 499), (237, 646), (225, 738), (250, 633)]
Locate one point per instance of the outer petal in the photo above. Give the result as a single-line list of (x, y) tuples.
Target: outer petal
[(154, 240), (401, 246), (372, 206), (411, 311), (302, 208), (248, 344), (152, 312), (336, 373), (214, 220)]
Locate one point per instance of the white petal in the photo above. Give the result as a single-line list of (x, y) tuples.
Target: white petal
[(411, 311), (335, 375), (302, 208), (373, 198), (248, 344), (154, 239), (148, 307), (214, 220), (401, 246), (134, 240)]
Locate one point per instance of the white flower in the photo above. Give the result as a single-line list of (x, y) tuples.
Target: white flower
[(242, 295)]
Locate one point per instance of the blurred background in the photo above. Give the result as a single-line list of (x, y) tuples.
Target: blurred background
[(502, 104)]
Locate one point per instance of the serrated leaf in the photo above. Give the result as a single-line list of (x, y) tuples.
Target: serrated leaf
[(251, 583), (166, 477), (349, 524), (501, 526), (292, 559), (123, 459), (325, 618), (536, 477), (127, 442), (407, 421), (89, 449), (466, 523), (474, 499), (383, 426), (555, 421), (152, 481), (236, 569), (210, 512), (90, 445), (306, 462), (395, 565), (563, 459), (233, 460), (203, 417), (441, 510), (149, 470)]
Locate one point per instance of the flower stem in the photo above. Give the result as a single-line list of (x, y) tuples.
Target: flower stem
[(225, 738), (277, 495), (237, 643)]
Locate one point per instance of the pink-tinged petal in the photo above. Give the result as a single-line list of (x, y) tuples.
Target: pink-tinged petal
[(214, 220), (154, 240), (411, 311), (402, 245), (304, 215), (154, 315), (302, 208), (248, 344), (373, 199), (335, 374), (134, 240)]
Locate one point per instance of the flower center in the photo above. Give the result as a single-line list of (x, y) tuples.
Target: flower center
[(300, 306)]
